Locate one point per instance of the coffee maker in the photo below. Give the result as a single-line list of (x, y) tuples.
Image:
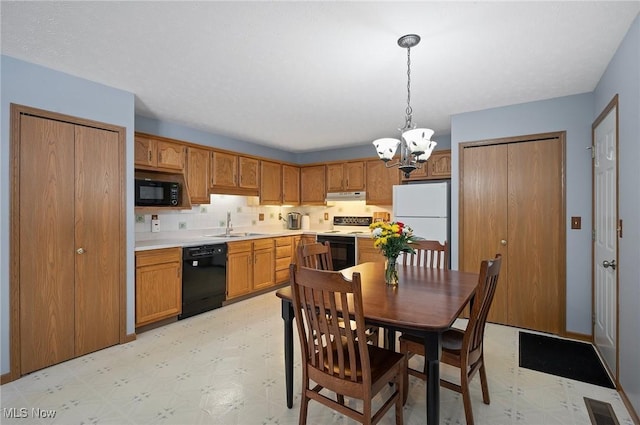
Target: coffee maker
[(294, 221)]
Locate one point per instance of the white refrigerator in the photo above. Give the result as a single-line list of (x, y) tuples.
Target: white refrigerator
[(425, 208)]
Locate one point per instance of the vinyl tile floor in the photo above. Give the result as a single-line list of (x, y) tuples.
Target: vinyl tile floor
[(226, 367)]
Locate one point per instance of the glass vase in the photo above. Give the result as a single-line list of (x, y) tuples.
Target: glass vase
[(391, 271)]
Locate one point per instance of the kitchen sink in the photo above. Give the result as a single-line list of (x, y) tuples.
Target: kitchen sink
[(233, 235)]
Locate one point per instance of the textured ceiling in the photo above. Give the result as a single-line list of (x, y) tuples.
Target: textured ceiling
[(304, 76)]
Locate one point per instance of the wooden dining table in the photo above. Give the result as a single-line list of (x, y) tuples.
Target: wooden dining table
[(425, 303)]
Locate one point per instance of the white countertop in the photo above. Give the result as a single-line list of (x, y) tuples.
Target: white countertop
[(195, 240)]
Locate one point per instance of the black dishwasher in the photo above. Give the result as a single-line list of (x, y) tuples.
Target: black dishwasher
[(204, 278)]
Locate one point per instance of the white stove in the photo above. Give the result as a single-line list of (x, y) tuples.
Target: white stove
[(343, 239), (350, 225)]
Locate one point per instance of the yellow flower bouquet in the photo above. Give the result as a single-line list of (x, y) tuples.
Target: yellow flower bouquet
[(392, 238)]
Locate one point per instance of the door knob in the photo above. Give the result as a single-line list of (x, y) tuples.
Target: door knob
[(503, 242), (80, 250), (611, 264)]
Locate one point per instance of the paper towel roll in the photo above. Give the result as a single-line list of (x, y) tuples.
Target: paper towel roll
[(305, 222)]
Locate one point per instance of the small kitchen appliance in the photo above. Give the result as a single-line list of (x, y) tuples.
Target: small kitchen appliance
[(155, 193), (294, 221)]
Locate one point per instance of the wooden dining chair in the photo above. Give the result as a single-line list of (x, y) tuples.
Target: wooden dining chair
[(315, 255), (318, 256), (429, 254), (341, 362), (463, 348)]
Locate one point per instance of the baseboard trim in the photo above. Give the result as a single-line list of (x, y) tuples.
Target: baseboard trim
[(579, 336), (5, 378), (130, 338), (632, 412)]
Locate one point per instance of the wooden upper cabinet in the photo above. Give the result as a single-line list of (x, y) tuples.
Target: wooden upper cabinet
[(248, 168), (438, 166), (171, 155), (312, 185), (290, 185), (224, 169), (270, 183), (380, 181), (198, 175), (144, 152), (346, 176), (233, 174), (151, 153)]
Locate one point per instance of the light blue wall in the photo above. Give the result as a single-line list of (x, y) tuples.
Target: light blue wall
[(187, 134), (180, 132), (35, 86), (364, 150), (623, 77), (573, 114)]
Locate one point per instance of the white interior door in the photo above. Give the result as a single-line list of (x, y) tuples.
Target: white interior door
[(605, 243)]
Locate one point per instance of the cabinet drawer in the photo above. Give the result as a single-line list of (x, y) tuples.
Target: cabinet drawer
[(158, 256), (282, 275), (283, 252), (283, 241), (233, 247), (282, 263), (263, 244)]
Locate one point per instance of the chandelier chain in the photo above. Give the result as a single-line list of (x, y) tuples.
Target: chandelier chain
[(409, 111)]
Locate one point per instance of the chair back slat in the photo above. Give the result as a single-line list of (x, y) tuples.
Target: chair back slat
[(315, 255), (321, 298), (487, 283), (429, 254)]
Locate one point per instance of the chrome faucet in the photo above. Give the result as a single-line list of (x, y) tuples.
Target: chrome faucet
[(229, 228)]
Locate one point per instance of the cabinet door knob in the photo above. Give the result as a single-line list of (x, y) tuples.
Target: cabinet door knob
[(607, 264), (80, 250), (503, 242)]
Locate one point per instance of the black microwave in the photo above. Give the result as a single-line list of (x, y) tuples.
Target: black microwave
[(155, 193)]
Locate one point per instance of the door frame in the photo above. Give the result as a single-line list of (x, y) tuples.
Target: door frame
[(605, 112), (561, 136), (14, 219)]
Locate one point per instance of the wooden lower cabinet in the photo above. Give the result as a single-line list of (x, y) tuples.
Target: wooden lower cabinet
[(284, 257), (250, 266), (158, 285), (367, 252)]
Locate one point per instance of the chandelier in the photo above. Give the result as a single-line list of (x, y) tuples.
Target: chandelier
[(415, 143)]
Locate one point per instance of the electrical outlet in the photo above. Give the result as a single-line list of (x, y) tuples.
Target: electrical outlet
[(139, 218), (182, 225), (326, 216), (261, 217)]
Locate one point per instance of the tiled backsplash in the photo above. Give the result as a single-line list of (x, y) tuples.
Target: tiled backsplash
[(245, 212)]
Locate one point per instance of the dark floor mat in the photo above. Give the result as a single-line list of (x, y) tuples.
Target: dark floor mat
[(561, 357)]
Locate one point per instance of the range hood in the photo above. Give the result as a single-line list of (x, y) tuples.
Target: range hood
[(346, 196)]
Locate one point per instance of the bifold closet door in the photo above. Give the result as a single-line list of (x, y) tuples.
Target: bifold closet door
[(512, 204), (97, 233), (69, 234), (484, 220), (47, 253)]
